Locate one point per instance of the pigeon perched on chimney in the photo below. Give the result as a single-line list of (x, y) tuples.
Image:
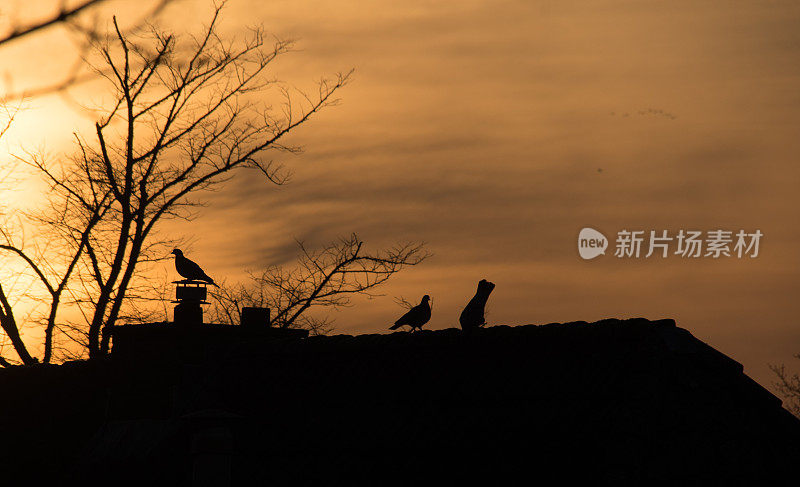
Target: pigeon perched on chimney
[(189, 269), (416, 316)]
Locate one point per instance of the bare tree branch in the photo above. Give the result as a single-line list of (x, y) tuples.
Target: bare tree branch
[(69, 17), (63, 15), (325, 278), (789, 386)]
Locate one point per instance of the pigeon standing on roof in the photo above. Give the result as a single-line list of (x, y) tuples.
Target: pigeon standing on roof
[(189, 269), (473, 316), (416, 316)]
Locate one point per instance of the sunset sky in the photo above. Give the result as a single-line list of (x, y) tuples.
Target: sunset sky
[(495, 131)]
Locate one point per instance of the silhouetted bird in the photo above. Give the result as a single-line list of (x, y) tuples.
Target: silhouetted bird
[(416, 316), (189, 269), (473, 315)]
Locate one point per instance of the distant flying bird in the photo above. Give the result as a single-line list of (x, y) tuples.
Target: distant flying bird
[(416, 316), (473, 315), (189, 269)]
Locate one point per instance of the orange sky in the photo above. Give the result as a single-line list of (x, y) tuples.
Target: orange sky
[(479, 127)]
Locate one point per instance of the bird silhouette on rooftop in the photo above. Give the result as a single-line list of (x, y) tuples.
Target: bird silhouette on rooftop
[(473, 316), (416, 316), (189, 269)]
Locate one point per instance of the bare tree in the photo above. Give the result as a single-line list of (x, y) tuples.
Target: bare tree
[(789, 386), (178, 124), (325, 278)]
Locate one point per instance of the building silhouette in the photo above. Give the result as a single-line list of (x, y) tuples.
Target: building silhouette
[(615, 402)]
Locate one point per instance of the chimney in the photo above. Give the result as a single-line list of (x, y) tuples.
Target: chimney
[(255, 318), (190, 295)]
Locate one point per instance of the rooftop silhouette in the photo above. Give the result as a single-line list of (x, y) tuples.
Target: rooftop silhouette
[(615, 402)]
